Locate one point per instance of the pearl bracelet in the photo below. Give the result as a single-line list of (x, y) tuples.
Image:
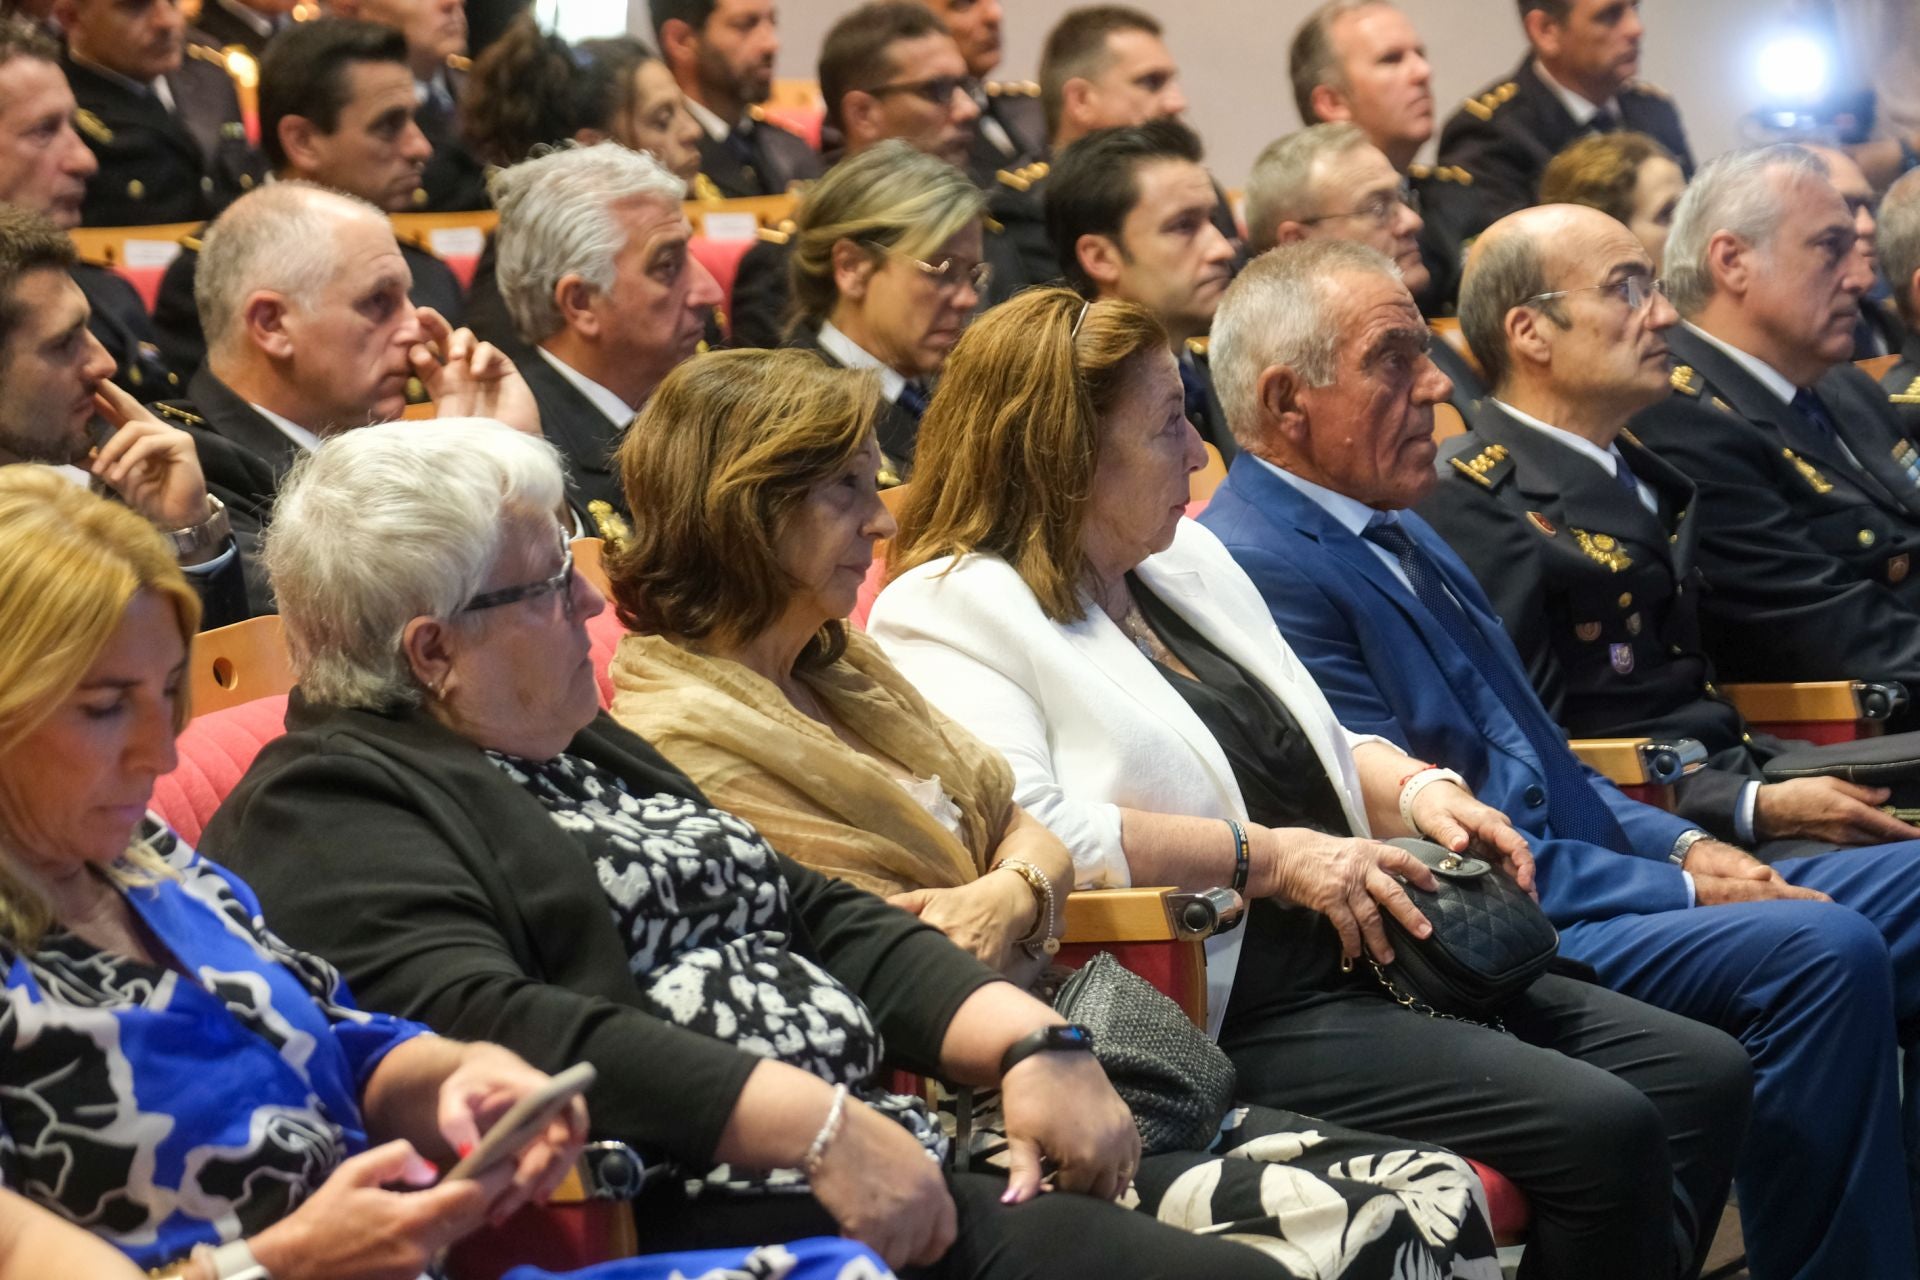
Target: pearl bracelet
[(829, 1130), (1419, 782)]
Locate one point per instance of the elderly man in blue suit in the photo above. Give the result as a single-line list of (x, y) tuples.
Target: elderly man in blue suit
[(1814, 964)]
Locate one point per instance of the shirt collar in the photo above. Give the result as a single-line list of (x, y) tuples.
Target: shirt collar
[(1769, 377), (716, 128), (618, 411), (854, 356), (292, 430), (1577, 106), (1609, 457), (157, 86), (1350, 514)]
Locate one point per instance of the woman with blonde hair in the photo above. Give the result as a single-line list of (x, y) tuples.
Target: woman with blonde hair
[(173, 1077), (760, 476), (1626, 175)]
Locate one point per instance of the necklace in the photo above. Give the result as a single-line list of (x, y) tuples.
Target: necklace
[(1144, 638)]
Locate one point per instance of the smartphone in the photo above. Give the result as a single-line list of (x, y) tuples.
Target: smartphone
[(525, 1122)]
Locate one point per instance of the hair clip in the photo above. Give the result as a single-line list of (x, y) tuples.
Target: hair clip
[(1075, 331)]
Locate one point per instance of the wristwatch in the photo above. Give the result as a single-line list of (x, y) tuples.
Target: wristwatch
[(199, 543), (233, 1260), (1684, 845), (1071, 1038)]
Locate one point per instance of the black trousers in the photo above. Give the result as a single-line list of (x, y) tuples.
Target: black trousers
[(1055, 1236), (1620, 1122)]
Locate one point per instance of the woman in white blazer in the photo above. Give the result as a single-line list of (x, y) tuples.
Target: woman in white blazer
[(1051, 597)]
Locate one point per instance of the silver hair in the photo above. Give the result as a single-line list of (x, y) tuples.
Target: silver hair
[(1279, 312), (1735, 193), (1280, 188), (279, 237), (557, 219), (1898, 241), (385, 524)]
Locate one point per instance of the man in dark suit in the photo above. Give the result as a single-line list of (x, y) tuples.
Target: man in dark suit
[(721, 53), (1330, 180), (593, 266), (1011, 132), (44, 167), (161, 116), (436, 35), (1361, 61), (1319, 353), (57, 408), (1585, 541), (1898, 242), (244, 24), (303, 297), (1577, 78), (1809, 492), (337, 109)]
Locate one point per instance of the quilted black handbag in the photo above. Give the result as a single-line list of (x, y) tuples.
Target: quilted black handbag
[(1175, 1080), (1490, 939)]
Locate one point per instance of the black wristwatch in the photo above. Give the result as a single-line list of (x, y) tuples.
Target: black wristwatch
[(1071, 1038)]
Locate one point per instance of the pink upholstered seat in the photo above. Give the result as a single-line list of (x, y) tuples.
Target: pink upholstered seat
[(215, 751)]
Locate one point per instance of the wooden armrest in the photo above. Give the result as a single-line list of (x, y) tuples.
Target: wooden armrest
[(1814, 700), (1639, 762), (1101, 916)]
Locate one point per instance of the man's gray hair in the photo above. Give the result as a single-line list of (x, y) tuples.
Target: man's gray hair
[(557, 219), (385, 524), (1280, 188), (1503, 272), (1736, 193), (1279, 312), (1898, 241), (1312, 60), (279, 237)]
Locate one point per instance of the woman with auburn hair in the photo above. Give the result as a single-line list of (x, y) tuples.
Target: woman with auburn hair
[(759, 474), (1628, 176), (1049, 595), (173, 1077)]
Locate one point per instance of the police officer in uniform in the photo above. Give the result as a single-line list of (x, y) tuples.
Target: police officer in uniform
[(721, 53), (1012, 130), (1899, 245), (436, 35), (160, 114), (1585, 542), (1577, 78)]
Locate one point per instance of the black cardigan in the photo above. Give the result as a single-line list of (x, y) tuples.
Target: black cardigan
[(444, 892)]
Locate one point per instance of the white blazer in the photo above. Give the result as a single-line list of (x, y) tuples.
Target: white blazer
[(1087, 722)]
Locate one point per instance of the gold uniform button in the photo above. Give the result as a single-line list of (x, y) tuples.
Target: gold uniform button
[(1626, 597), (1866, 537), (206, 185), (137, 189)]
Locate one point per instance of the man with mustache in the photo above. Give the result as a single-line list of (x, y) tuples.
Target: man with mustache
[(1808, 491), (721, 53), (1361, 61), (303, 298), (161, 117), (1584, 541), (1578, 77), (1131, 210)]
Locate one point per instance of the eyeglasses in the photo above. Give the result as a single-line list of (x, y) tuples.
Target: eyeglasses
[(1379, 208), (1636, 291), (947, 273), (937, 90), (561, 582)]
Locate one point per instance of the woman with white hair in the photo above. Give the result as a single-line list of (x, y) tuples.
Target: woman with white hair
[(452, 820)]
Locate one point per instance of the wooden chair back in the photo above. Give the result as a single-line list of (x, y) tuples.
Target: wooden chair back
[(1202, 483), (236, 664), (1448, 422), (1876, 367), (589, 561)]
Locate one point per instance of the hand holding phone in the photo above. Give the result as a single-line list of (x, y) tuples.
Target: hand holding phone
[(524, 1122)]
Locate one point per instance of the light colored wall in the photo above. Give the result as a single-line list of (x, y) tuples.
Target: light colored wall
[(1233, 56)]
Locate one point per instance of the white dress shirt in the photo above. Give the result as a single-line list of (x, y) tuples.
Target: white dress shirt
[(287, 427), (618, 411), (854, 356), (1609, 458), (717, 129), (1582, 109)]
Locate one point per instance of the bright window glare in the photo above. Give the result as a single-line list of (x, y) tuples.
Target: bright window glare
[(1793, 69), (582, 19)]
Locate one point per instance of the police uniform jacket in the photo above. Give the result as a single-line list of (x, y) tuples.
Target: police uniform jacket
[(1014, 107), (1808, 552), (455, 180), (1902, 385), (584, 435), (1600, 595), (118, 318), (158, 165), (759, 159), (1504, 136), (1448, 209), (176, 318)]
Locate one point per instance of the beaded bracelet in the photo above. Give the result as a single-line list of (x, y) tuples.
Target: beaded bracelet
[(817, 1151), (1242, 856), (1045, 938)]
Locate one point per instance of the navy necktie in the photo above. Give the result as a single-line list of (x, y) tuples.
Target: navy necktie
[(1603, 121), (1574, 809), (1809, 406), (913, 398), (740, 142), (1624, 477)]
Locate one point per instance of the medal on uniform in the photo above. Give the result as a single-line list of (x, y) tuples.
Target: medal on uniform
[(1908, 459), (1587, 631), (1621, 655), (1603, 547), (1897, 567), (1541, 523), (1633, 624)]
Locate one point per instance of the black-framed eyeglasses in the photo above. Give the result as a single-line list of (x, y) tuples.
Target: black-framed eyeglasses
[(561, 582), (1379, 208), (947, 273), (937, 90), (1635, 290)]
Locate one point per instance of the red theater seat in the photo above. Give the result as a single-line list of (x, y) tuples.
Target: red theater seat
[(215, 751), (722, 258)]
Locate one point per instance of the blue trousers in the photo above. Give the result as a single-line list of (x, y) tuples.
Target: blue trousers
[(1823, 996)]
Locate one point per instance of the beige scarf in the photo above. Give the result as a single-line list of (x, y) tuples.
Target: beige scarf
[(816, 799)]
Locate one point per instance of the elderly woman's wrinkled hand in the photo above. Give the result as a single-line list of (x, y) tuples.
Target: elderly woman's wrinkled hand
[(1449, 816), (468, 378), (1346, 880), (884, 1191), (986, 918), (486, 1084), (1060, 1108)]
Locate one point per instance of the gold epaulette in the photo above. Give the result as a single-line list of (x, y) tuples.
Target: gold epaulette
[(1684, 380), (1910, 396), (1198, 346), (704, 188), (774, 235), (614, 531), (1483, 107), (206, 53), (1453, 173), (1024, 177), (92, 125), (1487, 468), (1012, 89), (1808, 472), (992, 226), (459, 62), (178, 414)]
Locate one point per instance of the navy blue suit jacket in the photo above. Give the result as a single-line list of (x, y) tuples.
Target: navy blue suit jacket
[(1388, 668)]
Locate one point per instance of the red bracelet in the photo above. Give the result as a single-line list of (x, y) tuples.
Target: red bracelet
[(1402, 784)]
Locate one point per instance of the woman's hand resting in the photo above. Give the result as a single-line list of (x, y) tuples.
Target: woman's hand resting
[(1346, 880), (1449, 816), (884, 1190), (987, 918)]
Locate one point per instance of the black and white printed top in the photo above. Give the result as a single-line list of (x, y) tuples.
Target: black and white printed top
[(700, 903)]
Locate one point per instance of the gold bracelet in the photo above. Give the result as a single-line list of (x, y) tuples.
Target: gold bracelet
[(1045, 938)]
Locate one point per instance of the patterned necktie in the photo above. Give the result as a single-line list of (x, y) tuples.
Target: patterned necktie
[(1574, 809), (913, 398)]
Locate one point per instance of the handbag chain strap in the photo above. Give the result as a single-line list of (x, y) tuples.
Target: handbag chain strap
[(1495, 1022)]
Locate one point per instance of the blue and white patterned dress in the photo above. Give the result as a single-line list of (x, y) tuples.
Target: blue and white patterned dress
[(160, 1112)]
